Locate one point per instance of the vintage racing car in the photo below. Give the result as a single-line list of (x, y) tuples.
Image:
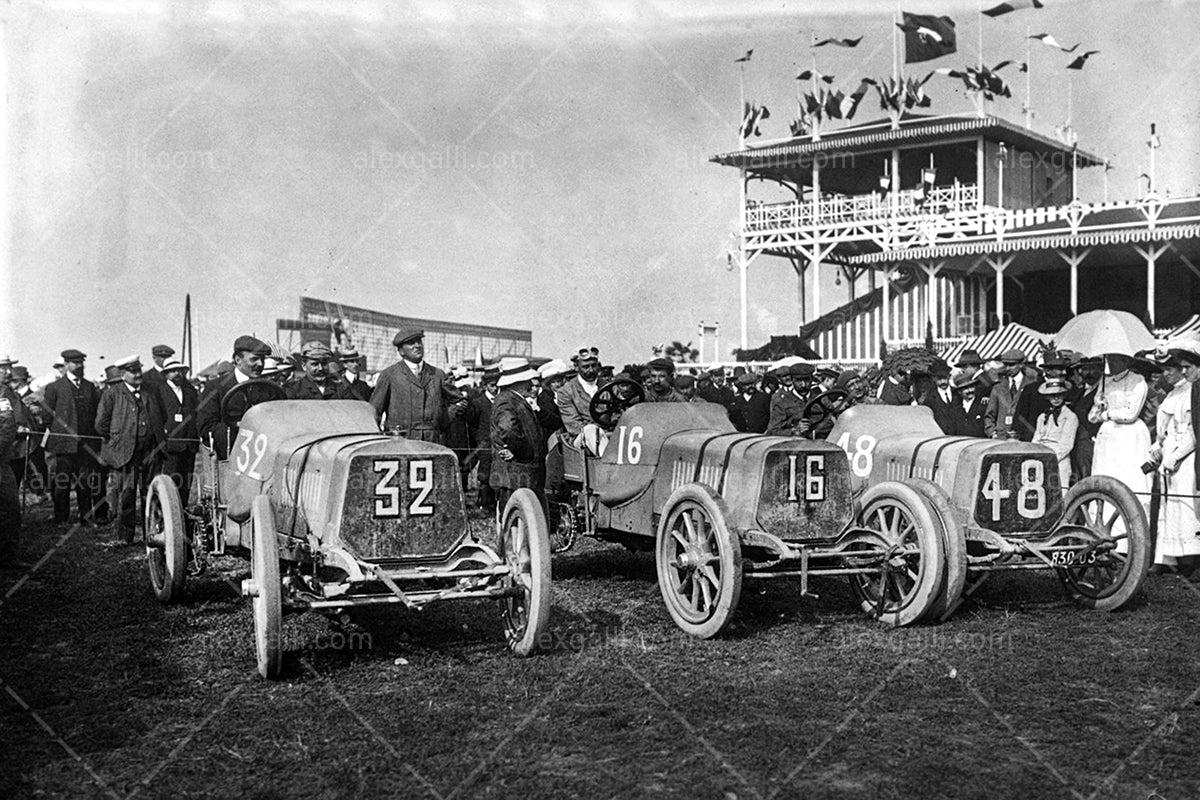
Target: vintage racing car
[(1000, 506), (335, 514), (716, 505)]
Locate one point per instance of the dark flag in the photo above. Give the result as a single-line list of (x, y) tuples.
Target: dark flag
[(808, 74), (744, 58), (927, 37), (850, 104), (839, 42), (1004, 8), (1079, 62), (1049, 40), (753, 115)]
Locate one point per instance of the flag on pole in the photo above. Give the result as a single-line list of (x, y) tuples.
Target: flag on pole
[(839, 42), (833, 104), (1154, 140), (1079, 62), (808, 75), (751, 116), (850, 103), (1014, 5), (744, 58), (927, 37)]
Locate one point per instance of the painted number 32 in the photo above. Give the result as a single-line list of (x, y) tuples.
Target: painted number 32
[(387, 491)]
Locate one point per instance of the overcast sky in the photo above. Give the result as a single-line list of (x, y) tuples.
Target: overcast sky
[(529, 164)]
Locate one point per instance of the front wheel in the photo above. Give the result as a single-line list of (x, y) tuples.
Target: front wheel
[(954, 542), (268, 605), (904, 541), (698, 560), (525, 546), (1114, 540), (166, 539)]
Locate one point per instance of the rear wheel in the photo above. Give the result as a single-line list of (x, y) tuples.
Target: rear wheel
[(1109, 572), (166, 539), (525, 546), (264, 574), (907, 547), (954, 542), (699, 561)]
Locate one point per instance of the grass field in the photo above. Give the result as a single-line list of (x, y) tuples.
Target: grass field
[(1020, 694)]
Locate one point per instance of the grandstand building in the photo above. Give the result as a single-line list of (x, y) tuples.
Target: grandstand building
[(959, 225), (447, 344)]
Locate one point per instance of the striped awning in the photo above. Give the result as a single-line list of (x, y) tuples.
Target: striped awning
[(992, 344), (1191, 327)]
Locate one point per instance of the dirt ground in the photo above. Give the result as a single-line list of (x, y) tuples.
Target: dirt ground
[(105, 692)]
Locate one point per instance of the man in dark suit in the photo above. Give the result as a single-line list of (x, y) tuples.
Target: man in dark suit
[(1001, 421), (750, 409), (479, 427), (154, 375), (896, 389), (177, 401), (1088, 370), (248, 355), (714, 389), (969, 407), (787, 404), (351, 364), (1031, 403), (939, 399), (316, 383), (73, 444), (129, 422), (412, 398), (553, 375), (518, 447)]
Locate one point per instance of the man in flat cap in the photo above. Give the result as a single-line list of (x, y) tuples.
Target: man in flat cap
[(317, 383), (787, 404), (750, 409), (660, 382), (1001, 419), (351, 367), (128, 420), (248, 356), (575, 397), (177, 401), (412, 398), (73, 444), (160, 353)]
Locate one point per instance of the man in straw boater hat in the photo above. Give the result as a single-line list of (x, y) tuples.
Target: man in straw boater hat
[(129, 421), (552, 376), (249, 354), (1057, 425), (72, 444), (412, 398), (177, 401), (518, 444)]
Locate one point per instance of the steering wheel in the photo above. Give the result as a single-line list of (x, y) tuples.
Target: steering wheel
[(611, 400), (825, 405), (238, 400)]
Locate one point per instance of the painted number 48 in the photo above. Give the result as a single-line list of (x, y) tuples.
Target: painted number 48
[(1031, 494), (387, 493)]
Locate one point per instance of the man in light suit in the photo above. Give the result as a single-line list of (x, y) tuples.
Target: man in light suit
[(73, 444), (575, 397), (414, 399)]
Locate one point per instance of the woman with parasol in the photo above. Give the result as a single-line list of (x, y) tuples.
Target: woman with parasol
[(1174, 454)]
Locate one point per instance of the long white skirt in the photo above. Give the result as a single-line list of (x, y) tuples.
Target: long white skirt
[(1121, 449), (1177, 523)]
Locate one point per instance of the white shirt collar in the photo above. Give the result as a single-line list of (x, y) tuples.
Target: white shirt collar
[(590, 388), (240, 376), (413, 366)]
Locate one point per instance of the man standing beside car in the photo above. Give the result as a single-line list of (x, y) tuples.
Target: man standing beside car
[(518, 447), (128, 420), (412, 398), (177, 401), (73, 444)]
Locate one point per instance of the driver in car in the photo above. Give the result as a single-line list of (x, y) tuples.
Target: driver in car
[(660, 382), (248, 355), (575, 396), (787, 404)]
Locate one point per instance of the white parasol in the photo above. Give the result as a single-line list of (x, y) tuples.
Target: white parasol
[(1105, 331)]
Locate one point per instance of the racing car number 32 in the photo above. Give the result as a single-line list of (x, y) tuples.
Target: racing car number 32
[(388, 502)]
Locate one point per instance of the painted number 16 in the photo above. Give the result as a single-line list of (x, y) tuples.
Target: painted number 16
[(807, 484)]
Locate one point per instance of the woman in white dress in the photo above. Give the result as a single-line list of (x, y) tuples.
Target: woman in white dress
[(1123, 440), (1056, 427), (1174, 452)]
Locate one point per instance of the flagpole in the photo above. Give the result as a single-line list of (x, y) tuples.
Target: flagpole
[(742, 97), (1152, 149), (816, 130), (897, 69)]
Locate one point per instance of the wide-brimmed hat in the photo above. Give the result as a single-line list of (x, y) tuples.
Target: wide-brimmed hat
[(515, 370), (173, 364), (553, 368), (20, 373), (1185, 349), (939, 369), (1054, 386), (969, 358), (962, 380)]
